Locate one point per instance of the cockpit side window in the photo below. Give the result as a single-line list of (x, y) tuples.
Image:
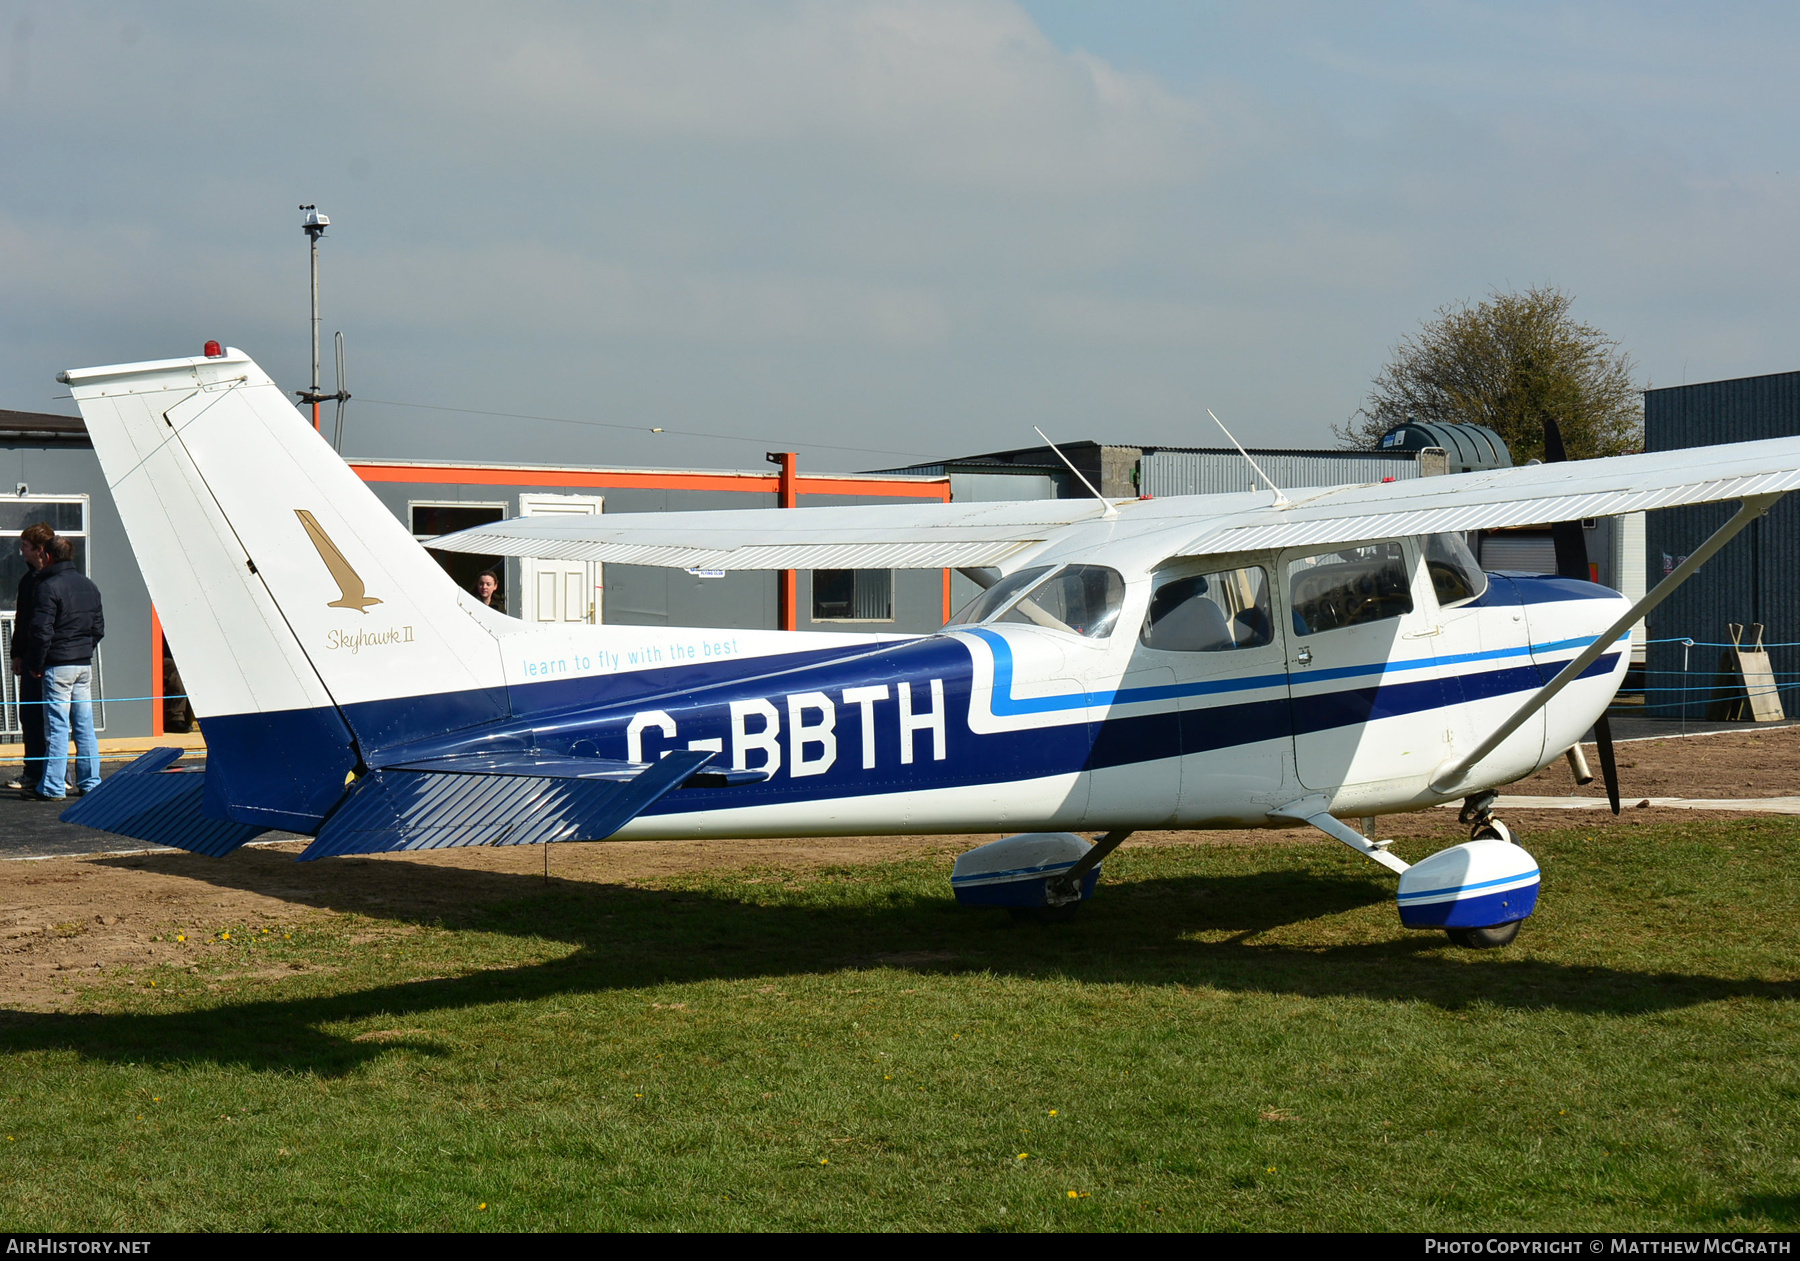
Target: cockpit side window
[(1209, 612), (1456, 576), (1351, 586), (997, 597), (1085, 599)]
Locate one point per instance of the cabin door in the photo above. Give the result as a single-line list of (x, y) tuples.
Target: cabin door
[(560, 590), (1363, 684)]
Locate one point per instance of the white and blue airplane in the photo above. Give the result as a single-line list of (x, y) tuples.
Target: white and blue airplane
[(1222, 661)]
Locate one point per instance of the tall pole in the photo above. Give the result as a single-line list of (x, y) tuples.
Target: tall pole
[(314, 243), (787, 496), (314, 225)]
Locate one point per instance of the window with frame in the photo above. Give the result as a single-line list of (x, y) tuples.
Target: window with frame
[(68, 515), (852, 595), (1456, 576), (1351, 586), (1085, 599), (1212, 611), (429, 520)]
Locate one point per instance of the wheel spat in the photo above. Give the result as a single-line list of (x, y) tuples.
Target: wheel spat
[(1572, 562)]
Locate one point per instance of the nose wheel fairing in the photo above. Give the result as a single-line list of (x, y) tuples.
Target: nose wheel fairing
[(1478, 884)]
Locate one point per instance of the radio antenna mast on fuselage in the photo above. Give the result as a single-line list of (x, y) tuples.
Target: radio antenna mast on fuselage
[(1110, 510), (1281, 500)]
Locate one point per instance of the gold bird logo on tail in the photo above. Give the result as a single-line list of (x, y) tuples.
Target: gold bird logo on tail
[(351, 594)]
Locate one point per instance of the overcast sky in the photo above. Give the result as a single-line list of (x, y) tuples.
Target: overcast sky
[(875, 232)]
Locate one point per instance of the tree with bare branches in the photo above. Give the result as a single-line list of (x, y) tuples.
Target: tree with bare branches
[(1510, 363)]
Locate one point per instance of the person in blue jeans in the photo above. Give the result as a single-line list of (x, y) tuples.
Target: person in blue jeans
[(67, 625), (36, 543)]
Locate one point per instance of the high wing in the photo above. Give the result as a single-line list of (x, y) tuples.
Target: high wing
[(934, 536), (899, 536), (1537, 494)]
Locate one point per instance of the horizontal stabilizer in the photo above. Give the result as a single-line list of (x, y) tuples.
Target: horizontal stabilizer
[(156, 801), (398, 809)]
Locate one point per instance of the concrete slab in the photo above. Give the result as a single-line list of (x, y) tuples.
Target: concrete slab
[(1742, 805)]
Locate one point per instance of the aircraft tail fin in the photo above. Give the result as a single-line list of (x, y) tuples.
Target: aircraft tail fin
[(282, 580), (310, 626)]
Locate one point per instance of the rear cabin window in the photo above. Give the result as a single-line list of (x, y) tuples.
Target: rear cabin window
[(1456, 576), (1351, 586), (1209, 612)]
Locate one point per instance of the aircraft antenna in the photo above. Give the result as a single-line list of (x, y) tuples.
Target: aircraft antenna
[(1110, 510), (1281, 500)]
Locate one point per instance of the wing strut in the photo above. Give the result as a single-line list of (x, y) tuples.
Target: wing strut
[(1752, 507)]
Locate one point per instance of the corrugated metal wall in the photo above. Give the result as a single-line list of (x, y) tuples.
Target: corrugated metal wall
[(1176, 472), (1756, 578)]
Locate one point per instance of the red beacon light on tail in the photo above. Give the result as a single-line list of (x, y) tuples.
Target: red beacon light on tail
[(213, 350)]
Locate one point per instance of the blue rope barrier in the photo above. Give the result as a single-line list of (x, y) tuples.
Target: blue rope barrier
[(116, 700)]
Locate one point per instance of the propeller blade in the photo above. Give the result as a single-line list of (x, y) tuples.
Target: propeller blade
[(1570, 539), (1554, 451), (1609, 769)]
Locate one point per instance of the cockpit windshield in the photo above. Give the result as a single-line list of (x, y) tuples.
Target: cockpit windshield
[(1085, 599), (1455, 574), (996, 597), (1082, 599)]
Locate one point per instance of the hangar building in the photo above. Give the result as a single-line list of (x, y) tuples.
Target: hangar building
[(1754, 578), (55, 476)]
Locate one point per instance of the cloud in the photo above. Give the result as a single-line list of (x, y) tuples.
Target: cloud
[(953, 93), (850, 221)]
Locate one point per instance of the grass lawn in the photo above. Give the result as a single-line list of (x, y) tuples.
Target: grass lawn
[(1229, 1037)]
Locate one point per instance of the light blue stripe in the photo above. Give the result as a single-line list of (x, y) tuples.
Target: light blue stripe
[(1005, 705), (1469, 888), (1016, 871)]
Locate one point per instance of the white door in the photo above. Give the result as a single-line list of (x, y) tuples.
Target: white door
[(560, 590), (1366, 701)]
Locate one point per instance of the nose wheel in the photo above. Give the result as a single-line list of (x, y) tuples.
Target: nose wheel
[(1484, 938), (1478, 815), (1493, 830)]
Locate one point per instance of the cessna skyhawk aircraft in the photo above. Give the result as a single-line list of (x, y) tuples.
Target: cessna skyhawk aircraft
[(1219, 661)]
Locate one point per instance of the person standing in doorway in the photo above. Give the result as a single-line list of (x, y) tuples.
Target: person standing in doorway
[(34, 544), (487, 590), (67, 624)]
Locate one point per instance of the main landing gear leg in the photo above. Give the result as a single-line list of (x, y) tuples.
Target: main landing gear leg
[(1478, 816)]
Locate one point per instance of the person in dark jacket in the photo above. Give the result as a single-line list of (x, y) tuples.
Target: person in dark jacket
[(35, 544), (67, 623)]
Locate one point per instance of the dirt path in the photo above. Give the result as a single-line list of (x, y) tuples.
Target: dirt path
[(64, 921)]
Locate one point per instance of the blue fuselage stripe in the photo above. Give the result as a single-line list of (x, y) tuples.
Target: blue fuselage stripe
[(1468, 888)]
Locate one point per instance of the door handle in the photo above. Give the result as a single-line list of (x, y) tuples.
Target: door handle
[(1304, 656)]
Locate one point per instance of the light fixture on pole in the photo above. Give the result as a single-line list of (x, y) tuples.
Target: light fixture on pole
[(314, 224)]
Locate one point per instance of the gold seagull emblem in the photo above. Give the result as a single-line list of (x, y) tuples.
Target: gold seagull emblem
[(351, 594)]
